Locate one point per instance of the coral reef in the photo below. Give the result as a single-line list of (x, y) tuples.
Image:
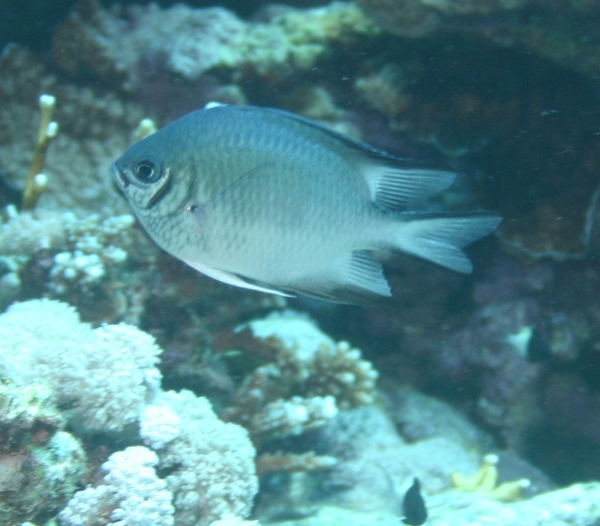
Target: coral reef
[(96, 126), (551, 30), (113, 46), (39, 463), (105, 381), (130, 493), (309, 377), (210, 463), (503, 91), (106, 374)]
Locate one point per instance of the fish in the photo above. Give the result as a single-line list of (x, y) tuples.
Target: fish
[(413, 505), (267, 200)]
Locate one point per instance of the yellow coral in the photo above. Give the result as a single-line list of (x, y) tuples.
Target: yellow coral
[(485, 481), (36, 180)]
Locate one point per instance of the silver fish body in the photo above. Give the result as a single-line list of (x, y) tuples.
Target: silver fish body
[(264, 199)]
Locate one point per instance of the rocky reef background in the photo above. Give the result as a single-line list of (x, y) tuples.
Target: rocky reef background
[(506, 360)]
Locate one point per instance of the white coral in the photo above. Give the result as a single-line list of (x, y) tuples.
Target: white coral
[(131, 494), (213, 461), (108, 373)]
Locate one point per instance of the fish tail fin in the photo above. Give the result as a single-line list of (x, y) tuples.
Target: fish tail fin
[(440, 239)]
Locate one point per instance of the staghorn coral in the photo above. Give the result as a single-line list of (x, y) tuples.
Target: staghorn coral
[(210, 464), (309, 378), (113, 46), (130, 494), (106, 374)]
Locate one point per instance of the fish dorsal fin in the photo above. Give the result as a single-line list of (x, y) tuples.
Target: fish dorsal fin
[(395, 186), (357, 277), (394, 182), (233, 279)]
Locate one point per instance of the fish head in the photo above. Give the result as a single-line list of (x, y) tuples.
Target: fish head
[(156, 177), (154, 183)]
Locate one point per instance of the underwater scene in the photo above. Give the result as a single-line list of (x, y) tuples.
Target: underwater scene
[(300, 263)]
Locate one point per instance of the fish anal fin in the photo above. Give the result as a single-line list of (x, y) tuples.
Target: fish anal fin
[(356, 278)]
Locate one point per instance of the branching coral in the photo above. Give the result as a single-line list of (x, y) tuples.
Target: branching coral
[(36, 180), (95, 129), (308, 378), (60, 254)]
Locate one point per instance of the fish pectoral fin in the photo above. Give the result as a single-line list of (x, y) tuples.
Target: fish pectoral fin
[(357, 277), (233, 279), (395, 186), (440, 239)]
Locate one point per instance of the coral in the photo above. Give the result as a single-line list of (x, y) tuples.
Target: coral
[(485, 481), (550, 30), (419, 18), (210, 464), (36, 181), (39, 464), (27, 416), (96, 127), (89, 251), (283, 418), (36, 482), (84, 261), (308, 379), (106, 374), (277, 462), (104, 43), (130, 494)]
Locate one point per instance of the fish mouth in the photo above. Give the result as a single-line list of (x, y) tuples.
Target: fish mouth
[(119, 176)]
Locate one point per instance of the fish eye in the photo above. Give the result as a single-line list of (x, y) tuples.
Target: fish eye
[(147, 171)]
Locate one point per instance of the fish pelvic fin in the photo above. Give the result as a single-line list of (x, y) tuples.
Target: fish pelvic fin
[(440, 239), (235, 280)]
